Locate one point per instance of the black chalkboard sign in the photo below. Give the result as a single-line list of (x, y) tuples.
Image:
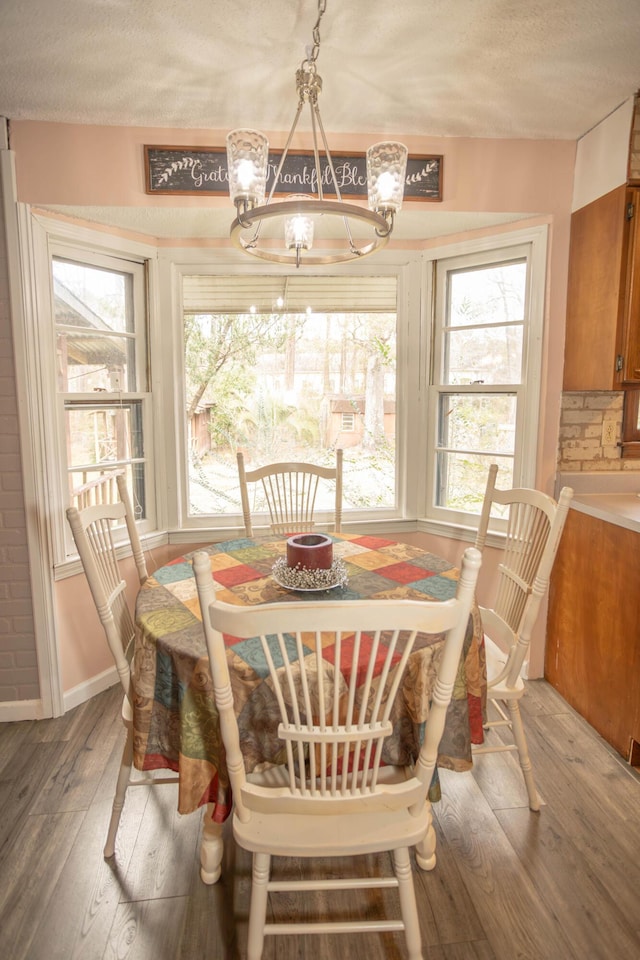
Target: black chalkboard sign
[(182, 171)]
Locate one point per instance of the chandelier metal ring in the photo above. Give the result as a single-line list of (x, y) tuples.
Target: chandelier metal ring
[(333, 208)]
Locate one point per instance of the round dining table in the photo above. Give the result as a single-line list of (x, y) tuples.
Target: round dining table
[(174, 716)]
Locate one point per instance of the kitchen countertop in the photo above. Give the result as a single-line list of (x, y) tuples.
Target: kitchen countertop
[(623, 509), (611, 497)]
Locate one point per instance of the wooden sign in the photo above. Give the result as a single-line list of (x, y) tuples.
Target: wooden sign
[(185, 171)]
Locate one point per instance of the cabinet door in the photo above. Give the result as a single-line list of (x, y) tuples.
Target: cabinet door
[(593, 638), (595, 293), (630, 345)]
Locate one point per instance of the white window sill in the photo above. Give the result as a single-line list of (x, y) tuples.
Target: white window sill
[(207, 535)]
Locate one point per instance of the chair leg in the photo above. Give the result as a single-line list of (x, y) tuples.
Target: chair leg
[(211, 848), (523, 753), (124, 776), (408, 906), (426, 849), (258, 905)]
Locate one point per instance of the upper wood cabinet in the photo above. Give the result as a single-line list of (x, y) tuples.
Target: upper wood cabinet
[(602, 348)]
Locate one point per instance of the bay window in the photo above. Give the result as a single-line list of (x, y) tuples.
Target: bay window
[(423, 371)]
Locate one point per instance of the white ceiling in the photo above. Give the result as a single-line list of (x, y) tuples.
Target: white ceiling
[(459, 68)]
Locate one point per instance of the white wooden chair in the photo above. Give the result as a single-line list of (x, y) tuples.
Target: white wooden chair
[(332, 797), (534, 527), (92, 529), (104, 489), (290, 491)]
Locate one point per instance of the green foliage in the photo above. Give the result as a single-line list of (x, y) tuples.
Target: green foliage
[(269, 382), (379, 463), (385, 351), (231, 421), (280, 430), (213, 342)]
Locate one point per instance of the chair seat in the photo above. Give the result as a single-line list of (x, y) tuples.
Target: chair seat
[(329, 836), (310, 835)]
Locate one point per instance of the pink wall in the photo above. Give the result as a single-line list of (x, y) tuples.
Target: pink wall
[(84, 164), (91, 165), (83, 648)]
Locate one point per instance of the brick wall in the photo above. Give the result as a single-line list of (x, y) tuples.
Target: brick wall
[(18, 664), (582, 444)]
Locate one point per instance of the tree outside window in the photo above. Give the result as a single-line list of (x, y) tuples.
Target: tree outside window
[(278, 385)]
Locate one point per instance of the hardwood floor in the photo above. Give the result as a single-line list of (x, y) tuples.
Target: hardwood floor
[(509, 884)]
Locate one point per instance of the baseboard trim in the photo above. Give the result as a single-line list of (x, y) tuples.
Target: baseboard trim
[(13, 710), (89, 688)]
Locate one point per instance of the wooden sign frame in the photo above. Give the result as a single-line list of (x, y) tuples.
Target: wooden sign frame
[(196, 171)]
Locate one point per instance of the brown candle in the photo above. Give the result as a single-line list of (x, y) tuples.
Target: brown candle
[(310, 551)]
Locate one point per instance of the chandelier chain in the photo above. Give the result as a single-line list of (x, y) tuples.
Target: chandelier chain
[(310, 61)]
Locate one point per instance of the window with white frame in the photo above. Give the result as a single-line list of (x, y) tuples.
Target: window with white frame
[(485, 387), (101, 374), (289, 368)]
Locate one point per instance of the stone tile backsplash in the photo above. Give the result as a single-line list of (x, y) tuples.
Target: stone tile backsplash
[(590, 433)]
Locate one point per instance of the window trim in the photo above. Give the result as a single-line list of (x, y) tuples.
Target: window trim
[(69, 400), (50, 237), (534, 243), (183, 262)]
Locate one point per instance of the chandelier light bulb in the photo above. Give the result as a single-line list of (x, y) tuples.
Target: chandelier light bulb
[(246, 175), (298, 228), (386, 174), (247, 159), (385, 186), (299, 225), (300, 232)]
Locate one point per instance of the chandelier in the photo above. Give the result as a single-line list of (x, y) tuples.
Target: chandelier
[(247, 160)]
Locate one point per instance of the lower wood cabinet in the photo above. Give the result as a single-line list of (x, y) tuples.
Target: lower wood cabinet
[(593, 630)]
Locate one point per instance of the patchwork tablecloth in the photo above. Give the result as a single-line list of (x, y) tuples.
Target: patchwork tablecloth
[(175, 719)]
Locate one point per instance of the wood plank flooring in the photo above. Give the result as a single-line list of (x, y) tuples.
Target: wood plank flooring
[(509, 884)]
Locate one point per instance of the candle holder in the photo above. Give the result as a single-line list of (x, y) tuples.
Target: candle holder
[(310, 551)]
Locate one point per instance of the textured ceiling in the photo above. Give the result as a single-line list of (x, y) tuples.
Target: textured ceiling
[(479, 68), (462, 68)]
